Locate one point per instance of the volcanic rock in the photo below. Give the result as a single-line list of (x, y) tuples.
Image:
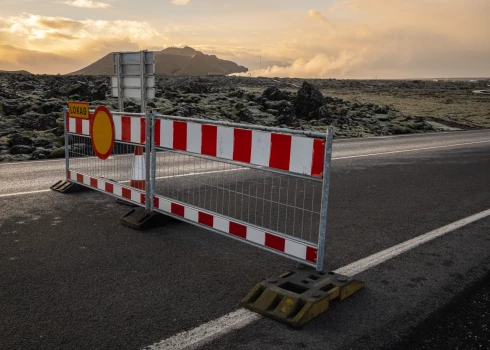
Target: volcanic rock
[(308, 99)]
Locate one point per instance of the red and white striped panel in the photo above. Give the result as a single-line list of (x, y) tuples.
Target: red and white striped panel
[(118, 190), (297, 154), (127, 129), (301, 251)]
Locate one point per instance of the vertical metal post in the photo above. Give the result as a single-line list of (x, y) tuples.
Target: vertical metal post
[(119, 82), (148, 148), (325, 191), (67, 150), (153, 159), (143, 80)]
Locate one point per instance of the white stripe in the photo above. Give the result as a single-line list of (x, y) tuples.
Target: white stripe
[(72, 125), (301, 155), (208, 331), (261, 148), (138, 171), (194, 137), (240, 318), (410, 150), (101, 185), (135, 129), (256, 236), (136, 196), (167, 133), (225, 143), (191, 214), (86, 180), (117, 127), (387, 254), (118, 190), (164, 205), (221, 224), (22, 193), (85, 127), (295, 249)]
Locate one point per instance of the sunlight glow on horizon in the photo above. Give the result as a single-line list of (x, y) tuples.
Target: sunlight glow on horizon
[(315, 38)]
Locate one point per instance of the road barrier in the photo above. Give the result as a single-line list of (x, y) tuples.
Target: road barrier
[(267, 187), (117, 169)]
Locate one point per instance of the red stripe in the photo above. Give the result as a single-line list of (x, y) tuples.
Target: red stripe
[(93, 182), (126, 129), (67, 123), (177, 209), (242, 145), (143, 198), (157, 132), (78, 125), (311, 254), (109, 187), (205, 219), (156, 202), (80, 178), (318, 158), (180, 135), (238, 230), (68, 174), (126, 193), (280, 151), (275, 242), (143, 130), (209, 140)]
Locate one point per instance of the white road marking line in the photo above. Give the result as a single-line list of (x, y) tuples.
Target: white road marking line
[(193, 338), (22, 193), (387, 254), (162, 177), (410, 150), (243, 317)]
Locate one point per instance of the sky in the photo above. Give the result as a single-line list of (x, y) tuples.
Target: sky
[(364, 39)]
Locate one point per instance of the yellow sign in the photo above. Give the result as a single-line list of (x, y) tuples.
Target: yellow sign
[(78, 110), (102, 132)]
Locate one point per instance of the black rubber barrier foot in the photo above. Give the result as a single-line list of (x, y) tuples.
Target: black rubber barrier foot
[(299, 295), (63, 186), (141, 219)]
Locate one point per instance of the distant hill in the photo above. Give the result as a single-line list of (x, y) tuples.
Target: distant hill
[(173, 61), (16, 72)]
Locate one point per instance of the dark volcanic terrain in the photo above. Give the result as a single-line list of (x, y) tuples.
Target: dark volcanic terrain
[(31, 125)]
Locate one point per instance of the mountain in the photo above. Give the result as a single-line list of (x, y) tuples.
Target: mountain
[(173, 61), (16, 72)]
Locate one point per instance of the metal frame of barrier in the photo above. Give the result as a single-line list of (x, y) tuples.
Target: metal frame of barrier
[(276, 157), (267, 187)]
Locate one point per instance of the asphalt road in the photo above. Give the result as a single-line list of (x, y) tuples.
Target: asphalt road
[(72, 277)]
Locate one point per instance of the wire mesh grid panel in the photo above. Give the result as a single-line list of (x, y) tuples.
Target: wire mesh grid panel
[(277, 202), (125, 163)]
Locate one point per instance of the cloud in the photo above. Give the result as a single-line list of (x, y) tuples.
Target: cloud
[(384, 38), (180, 2), (317, 15), (65, 44), (87, 4)]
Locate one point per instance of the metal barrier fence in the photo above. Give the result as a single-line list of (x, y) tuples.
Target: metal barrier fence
[(267, 187), (117, 175)]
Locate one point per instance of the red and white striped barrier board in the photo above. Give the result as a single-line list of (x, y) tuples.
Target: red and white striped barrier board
[(127, 129), (242, 231), (296, 154), (106, 186)]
